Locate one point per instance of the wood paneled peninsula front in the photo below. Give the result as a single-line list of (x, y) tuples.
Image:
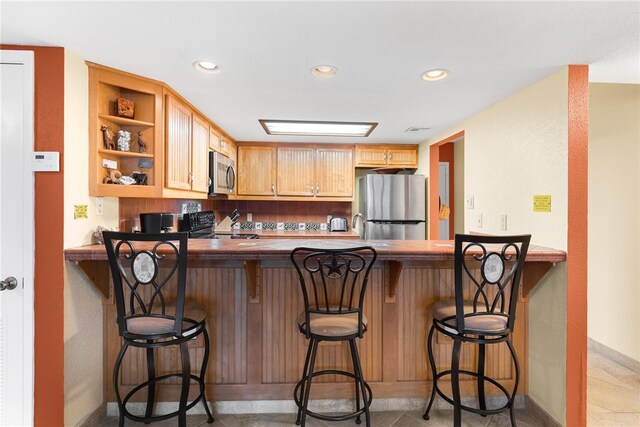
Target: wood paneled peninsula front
[(253, 299)]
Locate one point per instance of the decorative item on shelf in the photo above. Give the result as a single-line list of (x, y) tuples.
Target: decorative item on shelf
[(142, 146), (141, 178), (126, 180), (107, 138), (145, 163), (113, 176), (124, 140), (124, 108), (97, 234)]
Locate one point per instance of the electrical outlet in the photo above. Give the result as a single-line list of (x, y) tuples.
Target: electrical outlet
[(479, 221), (99, 206), (249, 217), (469, 202), (503, 222)]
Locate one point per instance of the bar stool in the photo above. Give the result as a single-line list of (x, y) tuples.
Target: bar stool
[(333, 284), (148, 270), (490, 266)]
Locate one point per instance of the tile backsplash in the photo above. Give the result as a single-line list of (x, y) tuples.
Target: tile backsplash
[(267, 213)]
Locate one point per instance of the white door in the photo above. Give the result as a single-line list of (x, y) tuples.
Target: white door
[(16, 238), (443, 192)]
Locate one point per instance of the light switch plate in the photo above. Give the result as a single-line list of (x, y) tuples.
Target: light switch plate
[(503, 222), (301, 226), (99, 206), (323, 227), (469, 202), (249, 217), (280, 225), (479, 221), (258, 225)]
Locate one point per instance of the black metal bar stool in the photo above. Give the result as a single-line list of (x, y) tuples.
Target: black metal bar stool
[(148, 270), (333, 284), (491, 266)]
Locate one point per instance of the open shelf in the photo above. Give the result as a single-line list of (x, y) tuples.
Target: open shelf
[(125, 121), (124, 153)]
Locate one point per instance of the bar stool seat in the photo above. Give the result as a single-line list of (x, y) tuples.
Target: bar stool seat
[(444, 311), (332, 325)]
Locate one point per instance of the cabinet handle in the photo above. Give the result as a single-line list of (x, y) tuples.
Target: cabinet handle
[(389, 156), (273, 188), (191, 178), (385, 157), (317, 189)]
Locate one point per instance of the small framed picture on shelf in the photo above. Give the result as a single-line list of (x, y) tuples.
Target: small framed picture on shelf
[(124, 108)]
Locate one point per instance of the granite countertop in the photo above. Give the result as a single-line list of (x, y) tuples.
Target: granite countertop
[(257, 249)]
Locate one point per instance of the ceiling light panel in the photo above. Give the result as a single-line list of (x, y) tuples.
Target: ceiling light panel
[(312, 128)]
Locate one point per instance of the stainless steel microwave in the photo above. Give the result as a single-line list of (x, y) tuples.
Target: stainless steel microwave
[(222, 174)]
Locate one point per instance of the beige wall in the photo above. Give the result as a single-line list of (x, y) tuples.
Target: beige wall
[(83, 367), (614, 217), (512, 150)]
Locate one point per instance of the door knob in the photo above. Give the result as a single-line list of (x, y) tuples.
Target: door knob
[(9, 283)]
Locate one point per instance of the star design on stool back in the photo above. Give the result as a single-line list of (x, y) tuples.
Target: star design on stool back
[(334, 267)]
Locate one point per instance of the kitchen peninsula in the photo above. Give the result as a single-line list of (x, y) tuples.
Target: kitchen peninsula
[(253, 299)]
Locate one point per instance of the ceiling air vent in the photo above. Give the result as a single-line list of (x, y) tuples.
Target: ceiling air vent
[(417, 129)]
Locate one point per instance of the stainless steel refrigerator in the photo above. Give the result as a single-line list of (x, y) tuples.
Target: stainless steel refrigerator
[(393, 206)]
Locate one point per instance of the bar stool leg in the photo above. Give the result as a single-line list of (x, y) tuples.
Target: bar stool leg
[(359, 376), (151, 389), (203, 372), (186, 378), (455, 383), (305, 401), (434, 373), (514, 355), (357, 384), (304, 375), (116, 370), (481, 395)]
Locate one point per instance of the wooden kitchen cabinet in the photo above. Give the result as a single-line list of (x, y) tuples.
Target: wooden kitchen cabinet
[(220, 143), (376, 156), (303, 171), (106, 85), (178, 145), (200, 155), (296, 175), (335, 174), (257, 170), (187, 148)]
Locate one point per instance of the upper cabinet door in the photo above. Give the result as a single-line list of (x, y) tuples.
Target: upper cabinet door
[(200, 156), (178, 145), (407, 157), (214, 139), (334, 172), (371, 156), (296, 171), (257, 171)]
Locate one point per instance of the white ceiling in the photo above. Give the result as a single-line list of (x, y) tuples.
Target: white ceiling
[(266, 50)]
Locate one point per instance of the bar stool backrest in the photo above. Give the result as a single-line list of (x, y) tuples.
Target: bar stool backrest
[(333, 281), (487, 273), (146, 269)]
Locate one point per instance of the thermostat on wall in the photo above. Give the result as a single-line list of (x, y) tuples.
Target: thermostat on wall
[(46, 161)]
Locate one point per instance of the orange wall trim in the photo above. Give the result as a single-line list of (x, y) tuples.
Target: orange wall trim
[(434, 159), (49, 272), (577, 246)]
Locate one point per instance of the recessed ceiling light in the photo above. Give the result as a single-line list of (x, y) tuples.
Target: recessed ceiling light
[(311, 128), (206, 66), (435, 74), (324, 71)]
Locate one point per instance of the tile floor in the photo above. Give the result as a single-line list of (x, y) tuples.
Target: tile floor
[(613, 400), (613, 393)]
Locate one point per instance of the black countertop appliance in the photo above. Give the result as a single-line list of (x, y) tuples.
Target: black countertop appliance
[(156, 222)]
